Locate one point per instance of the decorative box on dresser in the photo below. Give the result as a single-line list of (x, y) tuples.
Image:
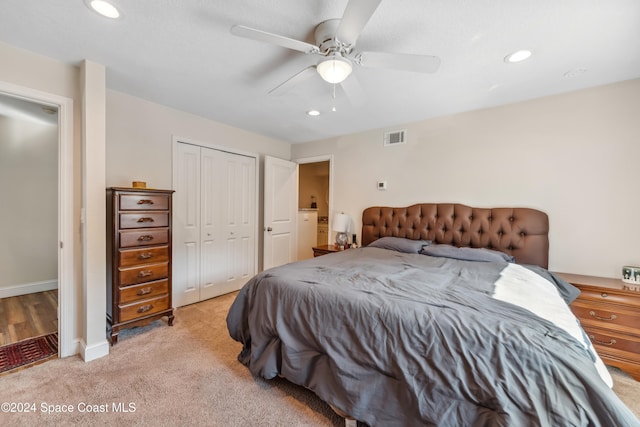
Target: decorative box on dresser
[(609, 312), (138, 258)]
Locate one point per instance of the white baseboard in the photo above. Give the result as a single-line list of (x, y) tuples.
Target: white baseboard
[(95, 351), (28, 288), (75, 347)]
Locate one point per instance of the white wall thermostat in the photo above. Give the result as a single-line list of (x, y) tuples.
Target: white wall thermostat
[(382, 185)]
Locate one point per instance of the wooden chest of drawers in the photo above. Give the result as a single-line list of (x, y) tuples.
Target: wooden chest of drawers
[(609, 312), (138, 257)]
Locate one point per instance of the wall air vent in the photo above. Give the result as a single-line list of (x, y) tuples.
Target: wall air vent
[(395, 137)]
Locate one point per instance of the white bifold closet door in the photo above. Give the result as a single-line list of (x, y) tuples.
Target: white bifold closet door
[(214, 240)]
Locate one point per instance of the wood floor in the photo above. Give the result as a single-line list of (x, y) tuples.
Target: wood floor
[(28, 316)]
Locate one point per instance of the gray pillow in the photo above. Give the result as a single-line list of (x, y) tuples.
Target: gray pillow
[(466, 254), (399, 244)]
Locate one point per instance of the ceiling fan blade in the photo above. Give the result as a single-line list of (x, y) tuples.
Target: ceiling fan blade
[(263, 36), (354, 91), (400, 61), (292, 81), (355, 17)]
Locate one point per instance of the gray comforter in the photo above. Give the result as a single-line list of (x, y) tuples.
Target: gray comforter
[(399, 339)]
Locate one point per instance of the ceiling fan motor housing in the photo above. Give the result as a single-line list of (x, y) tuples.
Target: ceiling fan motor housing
[(325, 34)]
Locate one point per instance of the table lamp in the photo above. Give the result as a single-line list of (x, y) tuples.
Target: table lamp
[(341, 226)]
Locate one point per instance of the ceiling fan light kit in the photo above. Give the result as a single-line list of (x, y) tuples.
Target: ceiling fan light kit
[(334, 69)]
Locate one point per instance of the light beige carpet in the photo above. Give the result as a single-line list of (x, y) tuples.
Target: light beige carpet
[(187, 374)]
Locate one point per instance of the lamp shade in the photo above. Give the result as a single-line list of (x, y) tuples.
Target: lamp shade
[(335, 69), (341, 222)]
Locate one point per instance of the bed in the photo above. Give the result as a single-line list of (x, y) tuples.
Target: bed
[(447, 315)]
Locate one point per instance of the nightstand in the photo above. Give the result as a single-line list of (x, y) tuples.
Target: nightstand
[(609, 312), (325, 249)]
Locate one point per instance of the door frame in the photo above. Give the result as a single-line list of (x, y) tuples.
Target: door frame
[(317, 159), (67, 307), (174, 179)]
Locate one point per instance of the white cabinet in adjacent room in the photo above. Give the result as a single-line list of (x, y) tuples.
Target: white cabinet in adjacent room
[(215, 249), (307, 232), (323, 231)]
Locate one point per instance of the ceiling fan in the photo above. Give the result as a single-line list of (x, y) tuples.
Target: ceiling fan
[(335, 43)]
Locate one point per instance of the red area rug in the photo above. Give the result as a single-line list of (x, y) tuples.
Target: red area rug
[(27, 352)]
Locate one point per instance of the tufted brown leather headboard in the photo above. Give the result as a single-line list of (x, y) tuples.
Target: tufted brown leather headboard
[(520, 232)]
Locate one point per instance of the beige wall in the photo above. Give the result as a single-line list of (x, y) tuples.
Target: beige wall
[(140, 136), (93, 87), (572, 156), (29, 208)]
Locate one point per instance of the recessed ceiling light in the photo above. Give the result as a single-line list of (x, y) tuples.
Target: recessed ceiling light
[(104, 8), (518, 56), (313, 113)]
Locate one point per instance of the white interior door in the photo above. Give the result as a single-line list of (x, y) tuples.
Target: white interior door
[(241, 219), (280, 211), (186, 225), (211, 228), (231, 221), (214, 222)]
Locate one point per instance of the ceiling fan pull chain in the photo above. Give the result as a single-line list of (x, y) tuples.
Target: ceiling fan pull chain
[(333, 98)]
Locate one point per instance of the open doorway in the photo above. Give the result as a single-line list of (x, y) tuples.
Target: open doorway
[(64, 205), (29, 218), (314, 204)]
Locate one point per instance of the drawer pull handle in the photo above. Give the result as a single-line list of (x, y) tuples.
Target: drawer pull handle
[(144, 308), (145, 219), (144, 291), (145, 273), (611, 341), (145, 255), (145, 202), (145, 238), (593, 314), (604, 295)]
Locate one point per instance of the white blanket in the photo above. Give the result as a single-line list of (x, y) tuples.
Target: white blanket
[(522, 287)]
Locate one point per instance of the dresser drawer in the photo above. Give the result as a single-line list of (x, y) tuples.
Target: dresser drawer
[(144, 291), (144, 202), (147, 273), (609, 313), (133, 257), (131, 238), (607, 316), (143, 308), (605, 296), (144, 220), (621, 345)]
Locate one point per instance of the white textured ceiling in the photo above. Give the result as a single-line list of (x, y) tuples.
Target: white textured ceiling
[(181, 54)]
